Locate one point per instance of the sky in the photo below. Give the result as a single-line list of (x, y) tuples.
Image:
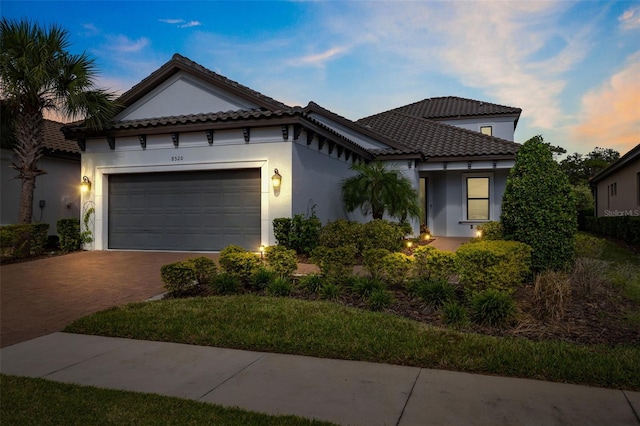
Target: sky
[(573, 67)]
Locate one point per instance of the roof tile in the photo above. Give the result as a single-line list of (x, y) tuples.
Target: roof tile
[(454, 107)]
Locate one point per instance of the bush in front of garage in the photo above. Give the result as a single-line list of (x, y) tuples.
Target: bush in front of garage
[(239, 262), (188, 276)]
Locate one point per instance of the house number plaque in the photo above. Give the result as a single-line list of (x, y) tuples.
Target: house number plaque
[(177, 158)]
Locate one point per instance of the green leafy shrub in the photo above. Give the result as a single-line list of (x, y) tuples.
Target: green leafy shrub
[(364, 286), (227, 283), (490, 231), (372, 261), (550, 295), (588, 246), (454, 313), (262, 277), (492, 306), (381, 234), (70, 235), (178, 277), (429, 262), (538, 207), (502, 265), (238, 261), (311, 283), (435, 292), (282, 260), (336, 264), (330, 290), (205, 269), (280, 287), (22, 241), (299, 233), (379, 299), (397, 268), (625, 228), (341, 233)]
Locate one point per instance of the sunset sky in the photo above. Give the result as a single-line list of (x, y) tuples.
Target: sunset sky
[(573, 67)]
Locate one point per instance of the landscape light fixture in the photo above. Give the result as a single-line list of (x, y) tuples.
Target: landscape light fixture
[(85, 185), (261, 248), (276, 179), (479, 233)]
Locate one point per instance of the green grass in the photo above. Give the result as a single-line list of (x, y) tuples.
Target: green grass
[(29, 401), (326, 329)]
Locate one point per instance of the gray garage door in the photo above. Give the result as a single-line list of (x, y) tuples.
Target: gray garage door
[(199, 211)]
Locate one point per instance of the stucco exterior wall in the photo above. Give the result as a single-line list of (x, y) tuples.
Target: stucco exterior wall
[(619, 193), (266, 150), (502, 127), (59, 188)]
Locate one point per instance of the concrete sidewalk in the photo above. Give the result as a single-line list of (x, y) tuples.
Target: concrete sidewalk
[(344, 392)]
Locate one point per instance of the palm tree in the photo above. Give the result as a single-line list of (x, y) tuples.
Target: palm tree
[(376, 189), (37, 74)]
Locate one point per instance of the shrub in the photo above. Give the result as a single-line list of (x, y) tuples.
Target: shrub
[(238, 261), (24, 240), (435, 292), (625, 228), (227, 283), (492, 307), (502, 265), (262, 277), (379, 299), (280, 287), (178, 277), (282, 230), (588, 246), (490, 231), (589, 275), (429, 262), (538, 207), (365, 286), (70, 235), (341, 233), (282, 260), (396, 268), (550, 295), (381, 234), (204, 269), (299, 233), (311, 283), (330, 290), (335, 264), (372, 261), (454, 314)]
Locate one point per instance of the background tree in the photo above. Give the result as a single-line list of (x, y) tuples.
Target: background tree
[(581, 168), (376, 190), (38, 74), (538, 207)]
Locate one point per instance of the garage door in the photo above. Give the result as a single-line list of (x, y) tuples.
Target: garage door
[(186, 211)]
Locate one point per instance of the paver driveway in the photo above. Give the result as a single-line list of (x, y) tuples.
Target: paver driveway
[(45, 295)]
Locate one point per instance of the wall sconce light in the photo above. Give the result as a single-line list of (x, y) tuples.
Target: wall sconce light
[(85, 185), (276, 179)]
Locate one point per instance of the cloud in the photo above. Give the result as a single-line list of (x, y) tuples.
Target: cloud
[(122, 43), (610, 114), (90, 30), (181, 23), (630, 19), (318, 59)]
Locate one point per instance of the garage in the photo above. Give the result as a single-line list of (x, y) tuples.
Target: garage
[(184, 211)]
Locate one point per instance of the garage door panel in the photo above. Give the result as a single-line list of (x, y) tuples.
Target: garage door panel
[(204, 211)]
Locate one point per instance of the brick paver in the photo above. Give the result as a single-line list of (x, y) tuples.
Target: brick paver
[(45, 295)]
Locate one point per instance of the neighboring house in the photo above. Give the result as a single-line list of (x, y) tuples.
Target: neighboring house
[(57, 193), (189, 162), (617, 188)]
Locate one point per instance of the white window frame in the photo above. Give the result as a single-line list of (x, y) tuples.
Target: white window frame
[(464, 197)]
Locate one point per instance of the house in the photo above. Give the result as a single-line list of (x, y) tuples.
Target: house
[(617, 188), (195, 161), (56, 194)]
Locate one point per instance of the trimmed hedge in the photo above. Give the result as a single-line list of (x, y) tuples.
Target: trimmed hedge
[(24, 240), (299, 233), (378, 233), (282, 260), (625, 228), (501, 265), (238, 261), (183, 276)]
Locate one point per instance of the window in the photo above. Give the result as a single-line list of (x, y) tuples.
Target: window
[(477, 198), (486, 130)]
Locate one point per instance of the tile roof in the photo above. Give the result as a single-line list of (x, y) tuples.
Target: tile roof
[(434, 139), (53, 138), (454, 107)]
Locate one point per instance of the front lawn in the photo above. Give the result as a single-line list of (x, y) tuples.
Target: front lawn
[(29, 401), (327, 329)]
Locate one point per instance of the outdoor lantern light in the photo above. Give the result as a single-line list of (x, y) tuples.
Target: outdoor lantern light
[(478, 233), (276, 179), (261, 248), (85, 186), (409, 244)]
